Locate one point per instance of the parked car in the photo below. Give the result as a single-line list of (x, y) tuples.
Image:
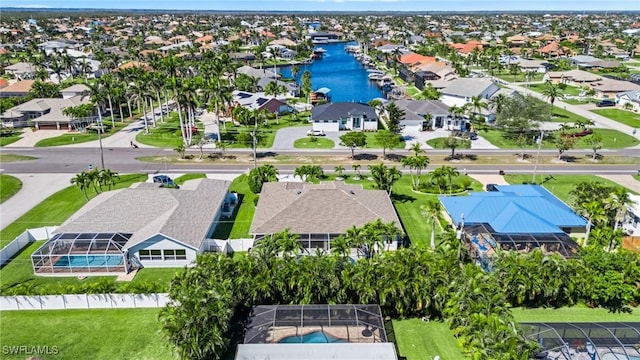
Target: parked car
[(165, 181), (605, 103), (316, 133)]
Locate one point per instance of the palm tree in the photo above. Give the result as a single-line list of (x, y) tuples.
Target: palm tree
[(416, 148), (432, 212), (618, 201), (356, 170), (477, 105), (339, 170), (82, 181), (306, 84), (415, 163), (108, 177), (295, 70), (429, 93), (384, 177), (69, 63), (551, 91)]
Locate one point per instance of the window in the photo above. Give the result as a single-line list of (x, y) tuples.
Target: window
[(175, 255), (156, 254), (181, 255), (144, 255)]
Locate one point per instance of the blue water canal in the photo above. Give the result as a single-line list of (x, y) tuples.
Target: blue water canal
[(340, 72)]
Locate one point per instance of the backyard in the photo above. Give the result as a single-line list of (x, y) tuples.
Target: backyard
[(573, 314), (86, 334), (559, 185), (418, 340), (624, 117)]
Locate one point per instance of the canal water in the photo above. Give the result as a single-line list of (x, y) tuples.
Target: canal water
[(340, 72)]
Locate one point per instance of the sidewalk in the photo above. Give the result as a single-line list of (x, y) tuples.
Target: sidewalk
[(411, 136), (625, 180), (30, 138), (35, 188)]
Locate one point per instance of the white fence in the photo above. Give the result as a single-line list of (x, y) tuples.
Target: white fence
[(83, 301), (22, 240), (228, 246)]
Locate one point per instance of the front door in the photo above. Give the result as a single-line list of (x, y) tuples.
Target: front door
[(356, 123)]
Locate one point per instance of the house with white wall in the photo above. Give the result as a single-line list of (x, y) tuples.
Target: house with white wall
[(629, 97), (344, 116), (142, 226), (460, 91)]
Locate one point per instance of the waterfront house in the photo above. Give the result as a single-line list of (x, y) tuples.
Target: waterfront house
[(260, 101), (142, 226), (319, 213), (344, 116), (425, 114)]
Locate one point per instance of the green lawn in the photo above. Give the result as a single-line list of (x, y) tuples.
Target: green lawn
[(266, 133), (6, 140), (87, 334), (559, 185), (568, 90), (166, 134), (625, 117), (77, 138), (611, 139), (582, 101), (521, 77), (564, 116), (186, 177), (4, 157), (373, 144), (420, 340), (57, 208), (572, 314), (237, 227), (318, 143), (9, 186), (18, 274)]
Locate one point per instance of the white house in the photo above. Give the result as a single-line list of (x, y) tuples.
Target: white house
[(631, 222), (344, 116), (460, 91), (629, 97), (142, 226), (426, 114)]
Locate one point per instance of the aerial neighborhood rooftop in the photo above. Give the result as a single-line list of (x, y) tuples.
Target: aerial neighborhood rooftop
[(320, 184)]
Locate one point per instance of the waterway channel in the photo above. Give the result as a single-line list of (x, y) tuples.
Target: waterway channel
[(340, 72)]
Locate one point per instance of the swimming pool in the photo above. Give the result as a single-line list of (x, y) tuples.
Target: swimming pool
[(90, 261), (316, 337)]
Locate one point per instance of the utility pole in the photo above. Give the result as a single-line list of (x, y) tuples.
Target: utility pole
[(100, 127), (255, 144), (535, 168)]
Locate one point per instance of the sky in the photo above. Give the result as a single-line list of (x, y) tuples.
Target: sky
[(337, 5)]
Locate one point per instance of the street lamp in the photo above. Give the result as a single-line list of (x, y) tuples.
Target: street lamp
[(535, 168)]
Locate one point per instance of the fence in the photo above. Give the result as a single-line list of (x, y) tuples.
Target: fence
[(228, 246), (29, 235), (83, 301)]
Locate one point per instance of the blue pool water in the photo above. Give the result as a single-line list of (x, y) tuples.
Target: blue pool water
[(340, 72), (91, 260), (316, 337)]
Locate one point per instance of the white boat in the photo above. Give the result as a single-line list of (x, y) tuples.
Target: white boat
[(319, 50), (375, 76)]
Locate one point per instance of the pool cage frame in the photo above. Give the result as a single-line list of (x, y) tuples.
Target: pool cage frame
[(55, 256), (361, 323), (593, 341)]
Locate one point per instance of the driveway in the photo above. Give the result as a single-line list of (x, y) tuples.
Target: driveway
[(35, 188), (285, 137), (411, 135)]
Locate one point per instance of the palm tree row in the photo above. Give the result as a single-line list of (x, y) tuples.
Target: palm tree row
[(94, 179)]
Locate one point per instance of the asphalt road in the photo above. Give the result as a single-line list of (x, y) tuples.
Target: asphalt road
[(123, 160)]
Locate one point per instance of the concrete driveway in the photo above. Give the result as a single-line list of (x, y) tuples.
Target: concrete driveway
[(412, 135), (35, 188), (285, 137)]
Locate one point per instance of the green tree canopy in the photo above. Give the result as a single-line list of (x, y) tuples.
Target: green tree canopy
[(352, 140)]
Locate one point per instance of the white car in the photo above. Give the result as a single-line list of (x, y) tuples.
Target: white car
[(316, 133)]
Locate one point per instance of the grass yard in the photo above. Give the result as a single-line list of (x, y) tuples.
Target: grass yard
[(624, 117), (87, 334), (6, 140), (186, 177), (564, 116), (522, 77), (318, 143), (438, 143), (9, 186), (568, 90), (572, 314), (420, 340), (5, 158), (77, 138), (611, 139), (559, 185), (18, 276), (237, 227), (373, 144), (166, 134), (57, 208), (266, 133)]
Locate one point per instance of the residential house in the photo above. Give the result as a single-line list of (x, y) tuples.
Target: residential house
[(319, 213), (514, 217), (260, 101), (74, 90), (532, 66), (256, 73), (141, 226), (609, 88), (17, 89), (21, 70), (571, 77), (629, 97), (631, 221), (426, 114), (344, 116), (46, 113), (460, 91), (582, 60)]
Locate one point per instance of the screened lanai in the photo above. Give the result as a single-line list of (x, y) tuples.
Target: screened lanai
[(588, 341), (270, 324), (82, 253)]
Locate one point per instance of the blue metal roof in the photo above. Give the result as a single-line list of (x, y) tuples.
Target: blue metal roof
[(514, 209)]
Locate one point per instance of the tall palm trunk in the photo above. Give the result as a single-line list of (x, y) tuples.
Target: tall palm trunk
[(160, 104), (121, 114), (144, 113), (113, 119), (129, 107), (181, 121), (153, 111)]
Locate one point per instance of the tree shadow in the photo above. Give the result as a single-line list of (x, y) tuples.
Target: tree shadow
[(369, 157), (402, 198), (266, 154), (569, 158), (395, 157)]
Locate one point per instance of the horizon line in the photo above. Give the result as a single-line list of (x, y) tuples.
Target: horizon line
[(26, 7)]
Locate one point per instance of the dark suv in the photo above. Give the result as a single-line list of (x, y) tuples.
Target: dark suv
[(605, 103), (165, 181)]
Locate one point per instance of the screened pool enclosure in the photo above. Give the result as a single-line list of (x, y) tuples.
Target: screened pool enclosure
[(68, 253)]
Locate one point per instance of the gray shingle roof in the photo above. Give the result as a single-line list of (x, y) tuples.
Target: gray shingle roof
[(331, 207), (338, 110), (145, 210), (467, 87), (416, 109)]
